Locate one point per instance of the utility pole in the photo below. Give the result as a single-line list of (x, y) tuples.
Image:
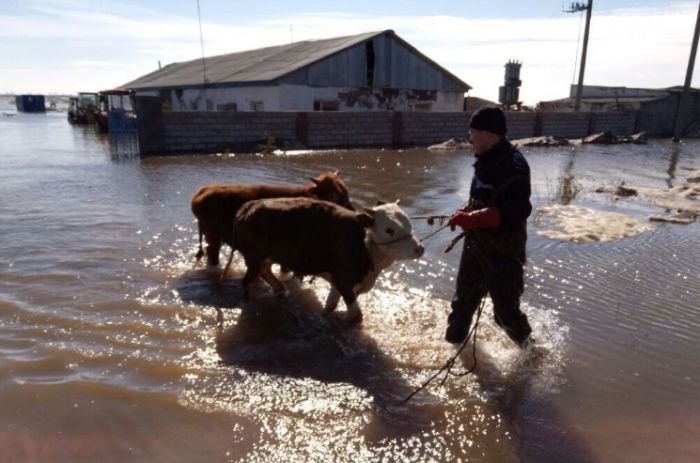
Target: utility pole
[(683, 102), (575, 8)]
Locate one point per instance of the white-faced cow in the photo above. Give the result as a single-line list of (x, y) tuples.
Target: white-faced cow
[(215, 206), (312, 237)]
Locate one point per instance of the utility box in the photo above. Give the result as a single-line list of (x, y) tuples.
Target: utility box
[(30, 103)]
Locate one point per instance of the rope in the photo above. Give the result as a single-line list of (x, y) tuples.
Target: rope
[(450, 363), (430, 235)]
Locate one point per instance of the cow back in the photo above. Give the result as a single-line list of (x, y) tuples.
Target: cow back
[(305, 235)]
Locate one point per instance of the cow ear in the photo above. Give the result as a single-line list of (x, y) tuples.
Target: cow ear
[(397, 201), (365, 219), (315, 181), (368, 211), (380, 203)]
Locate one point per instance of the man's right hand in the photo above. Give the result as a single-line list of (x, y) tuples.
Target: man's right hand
[(488, 217)]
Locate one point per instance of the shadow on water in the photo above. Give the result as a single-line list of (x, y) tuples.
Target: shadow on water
[(290, 337), (541, 432)]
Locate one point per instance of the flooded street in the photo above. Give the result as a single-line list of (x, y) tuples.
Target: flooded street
[(113, 348)]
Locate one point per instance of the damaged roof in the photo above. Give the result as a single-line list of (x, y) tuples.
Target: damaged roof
[(261, 65)]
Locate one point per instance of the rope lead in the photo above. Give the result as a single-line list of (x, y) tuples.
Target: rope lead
[(450, 363)]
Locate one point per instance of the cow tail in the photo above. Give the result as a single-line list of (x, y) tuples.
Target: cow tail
[(200, 252)]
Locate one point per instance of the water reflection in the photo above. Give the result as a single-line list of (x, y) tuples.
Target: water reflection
[(101, 309), (568, 187), (124, 147), (675, 153), (541, 432)]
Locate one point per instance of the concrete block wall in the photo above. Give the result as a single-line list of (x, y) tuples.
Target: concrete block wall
[(520, 125), (421, 129), (350, 129), (205, 132), (199, 131), (619, 123), (566, 125)]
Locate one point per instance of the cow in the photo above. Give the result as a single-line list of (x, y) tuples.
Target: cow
[(215, 206), (349, 249)]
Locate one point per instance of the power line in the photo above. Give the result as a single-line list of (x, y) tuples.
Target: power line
[(204, 66)]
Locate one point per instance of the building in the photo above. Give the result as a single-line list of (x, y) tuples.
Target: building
[(473, 103), (30, 103), (602, 98), (375, 71)]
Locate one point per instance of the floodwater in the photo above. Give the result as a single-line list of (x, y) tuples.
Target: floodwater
[(114, 349)]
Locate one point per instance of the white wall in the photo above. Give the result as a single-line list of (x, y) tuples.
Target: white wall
[(193, 99), (288, 97)]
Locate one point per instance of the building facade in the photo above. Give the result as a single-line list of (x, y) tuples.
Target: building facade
[(376, 71)]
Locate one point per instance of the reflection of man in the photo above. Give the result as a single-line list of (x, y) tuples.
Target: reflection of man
[(495, 225)]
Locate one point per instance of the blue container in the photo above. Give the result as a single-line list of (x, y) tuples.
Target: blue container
[(30, 103)]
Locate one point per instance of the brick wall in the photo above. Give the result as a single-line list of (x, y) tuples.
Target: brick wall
[(202, 132)]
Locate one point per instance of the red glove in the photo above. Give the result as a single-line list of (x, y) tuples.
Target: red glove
[(488, 217)]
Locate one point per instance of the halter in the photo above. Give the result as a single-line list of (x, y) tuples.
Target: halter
[(392, 241)]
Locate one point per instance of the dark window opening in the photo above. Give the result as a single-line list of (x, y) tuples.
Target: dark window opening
[(369, 52), (326, 105)]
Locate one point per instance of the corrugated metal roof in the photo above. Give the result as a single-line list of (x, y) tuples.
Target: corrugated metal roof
[(260, 65)]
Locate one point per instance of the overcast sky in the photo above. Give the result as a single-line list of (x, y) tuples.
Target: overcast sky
[(65, 46)]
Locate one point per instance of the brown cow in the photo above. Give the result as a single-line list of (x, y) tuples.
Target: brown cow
[(313, 237), (215, 206)]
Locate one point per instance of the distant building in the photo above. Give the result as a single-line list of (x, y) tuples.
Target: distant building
[(601, 98), (376, 71), (472, 103), (30, 103)]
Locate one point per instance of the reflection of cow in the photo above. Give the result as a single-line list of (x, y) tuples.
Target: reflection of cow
[(215, 206), (312, 237)]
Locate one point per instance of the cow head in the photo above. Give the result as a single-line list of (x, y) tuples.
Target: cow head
[(390, 229), (329, 187)]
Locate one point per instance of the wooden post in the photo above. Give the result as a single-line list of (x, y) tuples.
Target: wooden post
[(579, 88), (683, 101)]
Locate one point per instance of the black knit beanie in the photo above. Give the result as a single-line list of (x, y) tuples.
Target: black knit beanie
[(489, 118)]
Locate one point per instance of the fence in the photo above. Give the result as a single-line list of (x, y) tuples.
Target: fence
[(206, 132)]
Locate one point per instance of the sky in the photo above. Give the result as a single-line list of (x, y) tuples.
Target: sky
[(66, 46)]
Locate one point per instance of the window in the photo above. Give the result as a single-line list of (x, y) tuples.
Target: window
[(419, 107), (256, 105), (369, 54), (326, 105), (227, 107)]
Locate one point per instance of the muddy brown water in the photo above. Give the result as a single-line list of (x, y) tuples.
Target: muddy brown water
[(114, 349)]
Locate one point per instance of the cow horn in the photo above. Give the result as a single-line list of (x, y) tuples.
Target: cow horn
[(315, 181), (337, 172), (397, 201)]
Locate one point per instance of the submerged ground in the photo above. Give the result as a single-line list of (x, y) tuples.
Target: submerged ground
[(113, 348)]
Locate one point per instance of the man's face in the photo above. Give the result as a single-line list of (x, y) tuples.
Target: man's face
[(482, 140)]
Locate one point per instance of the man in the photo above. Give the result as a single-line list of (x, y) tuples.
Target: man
[(494, 222)]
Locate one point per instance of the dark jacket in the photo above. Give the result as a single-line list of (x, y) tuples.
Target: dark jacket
[(502, 179)]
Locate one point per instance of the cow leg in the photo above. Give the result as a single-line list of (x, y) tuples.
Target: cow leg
[(269, 277), (354, 313), (213, 247), (251, 278), (331, 301)]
